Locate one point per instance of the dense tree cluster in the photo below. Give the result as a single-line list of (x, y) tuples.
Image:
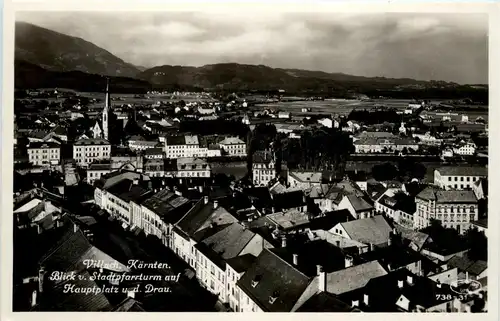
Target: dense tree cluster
[(371, 117), (211, 127)]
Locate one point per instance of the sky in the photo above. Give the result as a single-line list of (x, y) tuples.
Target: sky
[(444, 46)]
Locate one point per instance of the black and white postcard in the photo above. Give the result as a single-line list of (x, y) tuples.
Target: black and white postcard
[(250, 159)]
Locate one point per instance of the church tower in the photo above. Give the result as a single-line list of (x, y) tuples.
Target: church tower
[(105, 112)]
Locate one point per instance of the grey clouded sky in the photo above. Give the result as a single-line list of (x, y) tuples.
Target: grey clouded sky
[(451, 47)]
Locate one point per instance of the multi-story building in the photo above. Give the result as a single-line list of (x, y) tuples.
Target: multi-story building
[(233, 146), (459, 177), (465, 148), (86, 151), (117, 191), (454, 209), (44, 154), (384, 145), (182, 146), (137, 143), (159, 213), (213, 251), (192, 167), (263, 167)]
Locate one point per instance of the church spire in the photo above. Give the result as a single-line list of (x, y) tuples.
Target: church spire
[(105, 112)]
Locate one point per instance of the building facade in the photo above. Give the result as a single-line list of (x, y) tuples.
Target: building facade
[(44, 154), (87, 151), (459, 177), (454, 209), (233, 146)]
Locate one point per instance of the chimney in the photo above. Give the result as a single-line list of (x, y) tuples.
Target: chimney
[(216, 204), (295, 259), (321, 278), (355, 303), (372, 247), (466, 276), (200, 189), (39, 228), (283, 241), (389, 241), (131, 294), (41, 277), (365, 299), (400, 284), (409, 279), (58, 223), (272, 209), (205, 199), (75, 228), (33, 298), (389, 267)]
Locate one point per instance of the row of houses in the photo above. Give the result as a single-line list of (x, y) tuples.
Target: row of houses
[(259, 264)]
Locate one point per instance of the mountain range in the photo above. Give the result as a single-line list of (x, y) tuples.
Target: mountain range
[(45, 58)]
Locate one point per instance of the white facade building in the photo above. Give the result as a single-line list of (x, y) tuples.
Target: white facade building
[(86, 151), (459, 177), (44, 154), (233, 146)]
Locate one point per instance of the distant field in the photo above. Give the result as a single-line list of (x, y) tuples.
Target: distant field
[(338, 106)]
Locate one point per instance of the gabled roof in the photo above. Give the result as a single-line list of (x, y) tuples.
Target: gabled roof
[(359, 203), (60, 300), (325, 302), (373, 230), (270, 276), (241, 263), (353, 277), (202, 215), (463, 171), (449, 196), (464, 264), (311, 254), (229, 242), (421, 291)]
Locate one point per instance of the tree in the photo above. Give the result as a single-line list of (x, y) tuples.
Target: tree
[(477, 244), (384, 172)]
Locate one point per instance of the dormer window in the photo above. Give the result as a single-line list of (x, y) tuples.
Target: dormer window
[(256, 280), (273, 297)]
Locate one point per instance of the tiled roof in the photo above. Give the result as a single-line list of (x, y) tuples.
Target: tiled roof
[(463, 171), (231, 141), (127, 191), (359, 204), (421, 291), (229, 242), (34, 145), (450, 196), (202, 216), (169, 206), (60, 300), (129, 305), (374, 230), (463, 263), (91, 141), (312, 254), (418, 238), (242, 263), (175, 140), (270, 276), (353, 277), (325, 302)]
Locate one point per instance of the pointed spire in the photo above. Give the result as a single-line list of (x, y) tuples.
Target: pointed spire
[(108, 99)]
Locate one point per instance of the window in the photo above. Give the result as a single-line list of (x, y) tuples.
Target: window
[(462, 179), (456, 178), (468, 179)]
